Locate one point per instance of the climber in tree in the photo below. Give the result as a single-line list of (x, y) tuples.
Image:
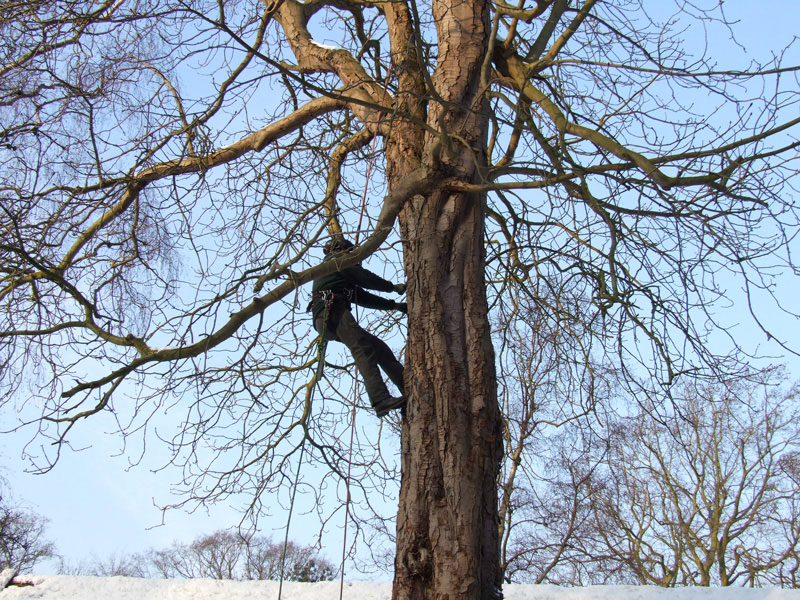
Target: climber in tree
[(331, 297)]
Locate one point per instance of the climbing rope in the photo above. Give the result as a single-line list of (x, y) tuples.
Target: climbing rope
[(309, 399), (347, 480), (314, 383), (355, 384), (355, 387)]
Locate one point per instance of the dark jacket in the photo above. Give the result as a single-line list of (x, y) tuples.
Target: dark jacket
[(351, 282)]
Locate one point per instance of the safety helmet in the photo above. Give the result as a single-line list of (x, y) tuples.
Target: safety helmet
[(338, 244)]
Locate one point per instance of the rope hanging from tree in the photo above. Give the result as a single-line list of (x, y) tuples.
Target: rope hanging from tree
[(313, 385), (309, 399), (355, 384)]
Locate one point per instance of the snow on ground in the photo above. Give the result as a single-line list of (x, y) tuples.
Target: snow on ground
[(5, 577), (63, 587)]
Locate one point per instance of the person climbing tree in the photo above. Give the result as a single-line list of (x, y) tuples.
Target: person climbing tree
[(331, 297)]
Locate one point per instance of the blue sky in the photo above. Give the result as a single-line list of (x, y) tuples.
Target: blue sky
[(98, 505)]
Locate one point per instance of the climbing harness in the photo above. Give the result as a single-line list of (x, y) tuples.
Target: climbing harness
[(329, 296)]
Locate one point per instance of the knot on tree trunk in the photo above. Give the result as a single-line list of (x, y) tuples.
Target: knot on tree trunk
[(418, 562)]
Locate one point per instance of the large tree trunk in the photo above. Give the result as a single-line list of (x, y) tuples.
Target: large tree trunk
[(447, 525), (447, 528)]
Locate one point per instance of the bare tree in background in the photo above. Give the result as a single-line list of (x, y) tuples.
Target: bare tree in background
[(549, 389), (229, 555), (704, 495), (22, 536), (223, 554), (161, 160), (214, 556), (114, 565)]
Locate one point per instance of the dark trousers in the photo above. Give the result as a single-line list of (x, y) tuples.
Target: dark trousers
[(368, 351)]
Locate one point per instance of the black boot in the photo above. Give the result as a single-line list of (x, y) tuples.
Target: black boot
[(383, 407)]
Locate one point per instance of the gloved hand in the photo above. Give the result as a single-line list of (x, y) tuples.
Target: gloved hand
[(402, 307), (399, 288)]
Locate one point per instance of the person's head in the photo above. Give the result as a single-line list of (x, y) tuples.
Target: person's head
[(338, 244)]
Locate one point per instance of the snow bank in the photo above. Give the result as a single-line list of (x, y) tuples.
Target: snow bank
[(62, 587), (6, 576)]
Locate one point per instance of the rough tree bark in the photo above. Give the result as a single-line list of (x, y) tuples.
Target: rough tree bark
[(447, 527)]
